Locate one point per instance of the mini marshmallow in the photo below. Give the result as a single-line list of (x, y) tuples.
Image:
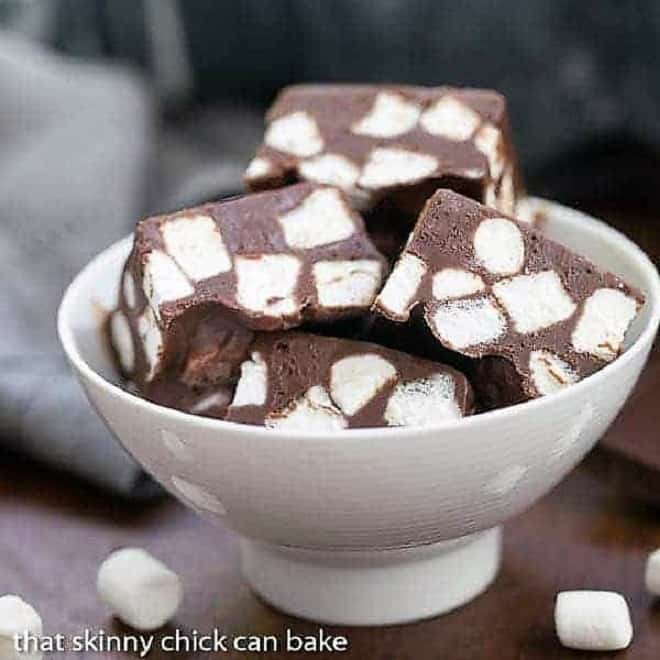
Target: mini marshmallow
[(196, 245), (152, 341), (394, 166), (534, 301), (593, 620), (451, 283), (341, 284), (128, 285), (139, 589), (422, 402), (549, 372), (17, 618), (252, 386), (488, 140), (401, 286), (390, 116), (296, 133), (322, 218), (451, 119), (331, 169), (266, 284), (652, 573), (471, 322), (315, 412), (258, 168), (163, 280), (122, 340), (355, 380), (499, 246), (606, 315)]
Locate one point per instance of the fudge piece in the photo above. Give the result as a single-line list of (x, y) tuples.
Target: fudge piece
[(297, 380), (537, 316), (199, 282), (390, 147)]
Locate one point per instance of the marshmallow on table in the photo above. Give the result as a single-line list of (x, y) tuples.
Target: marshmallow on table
[(390, 147), (301, 381), (593, 620), (199, 282), (652, 573), (534, 315), (17, 618), (139, 589)]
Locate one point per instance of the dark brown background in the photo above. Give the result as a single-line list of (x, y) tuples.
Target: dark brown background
[(588, 533)]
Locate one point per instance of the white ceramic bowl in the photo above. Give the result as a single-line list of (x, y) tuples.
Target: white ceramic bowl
[(368, 526)]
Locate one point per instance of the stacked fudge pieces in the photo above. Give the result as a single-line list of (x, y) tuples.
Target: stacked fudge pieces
[(390, 148), (275, 308)]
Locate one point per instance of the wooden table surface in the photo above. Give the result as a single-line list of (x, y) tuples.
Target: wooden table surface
[(587, 533)]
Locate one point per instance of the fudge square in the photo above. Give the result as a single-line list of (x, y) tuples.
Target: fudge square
[(199, 282), (537, 316), (390, 148), (296, 380)]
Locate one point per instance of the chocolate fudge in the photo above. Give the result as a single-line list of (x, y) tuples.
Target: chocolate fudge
[(534, 316), (296, 380), (200, 282), (390, 147)]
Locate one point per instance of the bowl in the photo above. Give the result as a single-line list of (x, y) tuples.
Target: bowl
[(367, 526)]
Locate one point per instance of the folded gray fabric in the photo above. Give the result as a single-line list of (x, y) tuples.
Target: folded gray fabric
[(76, 142)]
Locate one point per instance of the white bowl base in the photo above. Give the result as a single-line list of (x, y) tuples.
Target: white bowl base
[(371, 588)]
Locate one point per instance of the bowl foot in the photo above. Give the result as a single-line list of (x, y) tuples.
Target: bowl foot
[(373, 587)]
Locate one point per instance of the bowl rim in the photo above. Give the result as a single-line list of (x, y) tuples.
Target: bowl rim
[(70, 345)]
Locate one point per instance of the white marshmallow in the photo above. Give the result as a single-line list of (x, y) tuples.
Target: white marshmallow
[(490, 195), (163, 281), (18, 618), (593, 620), (549, 372), (331, 169), (451, 283), (122, 340), (252, 386), (313, 412), (220, 398), (258, 168), (296, 134), (130, 295), (347, 283), (393, 167), (488, 140), (322, 218), (390, 115), (451, 119), (652, 573), (267, 284), (140, 590), (606, 315), (499, 246), (422, 402), (470, 322), (195, 243), (507, 195), (398, 294), (535, 301), (152, 341), (355, 380), (197, 497)]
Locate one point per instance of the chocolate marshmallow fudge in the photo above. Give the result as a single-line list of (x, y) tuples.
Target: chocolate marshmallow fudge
[(200, 282), (390, 148), (536, 316), (296, 380)]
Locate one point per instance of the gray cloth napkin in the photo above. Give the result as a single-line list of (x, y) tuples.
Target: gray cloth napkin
[(76, 142)]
